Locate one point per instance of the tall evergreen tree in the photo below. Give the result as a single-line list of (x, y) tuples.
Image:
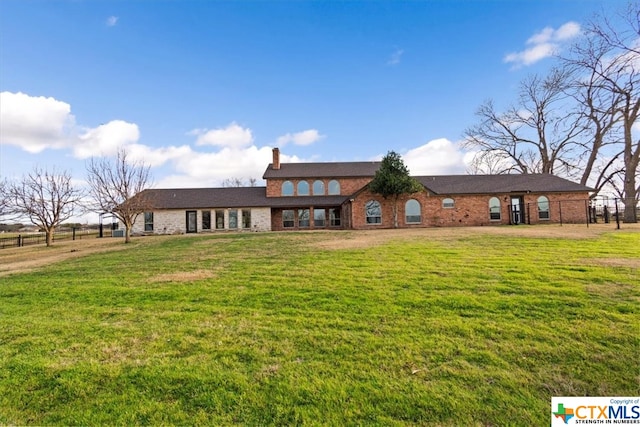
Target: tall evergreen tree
[(392, 180)]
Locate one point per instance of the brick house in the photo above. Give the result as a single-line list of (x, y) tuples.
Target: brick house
[(307, 196)]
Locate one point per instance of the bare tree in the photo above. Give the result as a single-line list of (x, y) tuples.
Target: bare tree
[(537, 135), (4, 197), (595, 108), (239, 182), (46, 198), (116, 188), (610, 55)]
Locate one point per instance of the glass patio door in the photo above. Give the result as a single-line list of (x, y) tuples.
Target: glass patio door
[(192, 222)]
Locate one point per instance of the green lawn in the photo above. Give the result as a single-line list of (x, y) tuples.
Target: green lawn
[(280, 329)]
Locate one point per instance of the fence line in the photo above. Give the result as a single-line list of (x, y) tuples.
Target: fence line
[(27, 239)]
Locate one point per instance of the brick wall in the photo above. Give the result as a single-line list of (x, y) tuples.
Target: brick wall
[(347, 185), (470, 210)]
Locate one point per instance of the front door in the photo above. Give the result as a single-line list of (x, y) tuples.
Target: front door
[(192, 222), (517, 210)]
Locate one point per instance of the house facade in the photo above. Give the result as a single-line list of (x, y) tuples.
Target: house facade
[(311, 196)]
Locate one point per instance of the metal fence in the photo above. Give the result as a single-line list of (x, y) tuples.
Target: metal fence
[(580, 211), (607, 209), (26, 239)]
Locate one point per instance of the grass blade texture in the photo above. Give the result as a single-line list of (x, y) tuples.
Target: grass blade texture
[(434, 327)]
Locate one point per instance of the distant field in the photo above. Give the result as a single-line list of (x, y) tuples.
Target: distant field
[(470, 326)]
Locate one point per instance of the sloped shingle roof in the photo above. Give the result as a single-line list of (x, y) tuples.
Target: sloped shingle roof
[(317, 201), (238, 197), (488, 184), (202, 198), (322, 170)]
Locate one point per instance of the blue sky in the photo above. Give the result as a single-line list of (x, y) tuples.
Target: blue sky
[(203, 90)]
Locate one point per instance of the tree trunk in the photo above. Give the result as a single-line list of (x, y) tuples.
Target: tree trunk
[(631, 163), (49, 236), (127, 233), (395, 212), (630, 215)]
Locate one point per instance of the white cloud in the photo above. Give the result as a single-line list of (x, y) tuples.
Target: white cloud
[(198, 169), (543, 44), (396, 56), (532, 55), (112, 21), (106, 139), (233, 135), (34, 123), (567, 31), (543, 36), (306, 137), (158, 156), (436, 157)]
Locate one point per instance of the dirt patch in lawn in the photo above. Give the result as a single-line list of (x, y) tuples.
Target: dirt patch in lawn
[(28, 258), (613, 262), (183, 276), (367, 238)]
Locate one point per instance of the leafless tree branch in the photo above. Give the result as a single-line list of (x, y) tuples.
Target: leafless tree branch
[(118, 187), (46, 198)]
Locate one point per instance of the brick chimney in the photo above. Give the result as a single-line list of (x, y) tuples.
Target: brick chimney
[(276, 158)]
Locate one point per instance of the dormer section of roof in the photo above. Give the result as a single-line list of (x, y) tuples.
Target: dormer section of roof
[(277, 170)]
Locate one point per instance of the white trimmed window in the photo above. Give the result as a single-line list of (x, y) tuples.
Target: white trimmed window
[(373, 212), (412, 212), (318, 217), (334, 217), (334, 187), (148, 221), (303, 218), (233, 218), (543, 207), (206, 220), (288, 218), (448, 203), (318, 188), (494, 209), (303, 188), (287, 188)]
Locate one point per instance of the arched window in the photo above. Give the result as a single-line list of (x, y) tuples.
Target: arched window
[(334, 187), (287, 188), (303, 188), (373, 212), (318, 188), (448, 203), (412, 211), (543, 207), (494, 209)]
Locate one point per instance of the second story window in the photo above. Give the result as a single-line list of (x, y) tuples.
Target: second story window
[(287, 188), (334, 187), (318, 188), (303, 188)]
